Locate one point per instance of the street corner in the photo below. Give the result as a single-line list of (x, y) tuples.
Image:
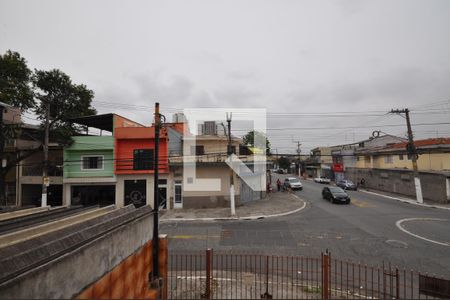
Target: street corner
[(283, 204)]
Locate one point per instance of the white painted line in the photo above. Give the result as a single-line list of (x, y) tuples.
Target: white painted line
[(405, 200), (238, 218), (399, 225)]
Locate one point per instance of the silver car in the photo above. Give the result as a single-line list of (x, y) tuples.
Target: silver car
[(293, 183)]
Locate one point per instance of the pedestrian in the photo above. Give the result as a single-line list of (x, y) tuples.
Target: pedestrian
[(279, 184)]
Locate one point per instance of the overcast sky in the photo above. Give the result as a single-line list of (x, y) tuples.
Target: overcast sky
[(295, 57)]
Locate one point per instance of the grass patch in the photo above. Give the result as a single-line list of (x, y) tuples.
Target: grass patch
[(312, 289)]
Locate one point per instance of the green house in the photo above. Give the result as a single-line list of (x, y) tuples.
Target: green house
[(89, 177)]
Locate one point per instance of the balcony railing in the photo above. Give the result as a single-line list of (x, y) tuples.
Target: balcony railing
[(207, 158), (36, 170)]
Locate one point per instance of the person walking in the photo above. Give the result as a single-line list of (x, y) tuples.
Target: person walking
[(279, 184)]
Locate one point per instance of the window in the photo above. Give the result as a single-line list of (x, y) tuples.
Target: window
[(233, 149), (92, 163), (143, 159), (178, 193), (388, 159), (400, 156), (197, 150)]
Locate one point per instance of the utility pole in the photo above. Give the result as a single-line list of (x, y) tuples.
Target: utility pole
[(155, 240), (276, 150), (229, 153), (298, 157), (45, 179), (3, 159), (412, 152)]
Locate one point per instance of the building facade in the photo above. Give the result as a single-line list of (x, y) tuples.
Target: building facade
[(89, 162)]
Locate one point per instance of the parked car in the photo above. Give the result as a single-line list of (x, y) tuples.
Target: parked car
[(347, 185), (280, 171), (293, 183), (335, 195), (322, 179)]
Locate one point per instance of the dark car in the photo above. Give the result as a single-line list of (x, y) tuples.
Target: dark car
[(280, 171), (347, 185), (335, 195)]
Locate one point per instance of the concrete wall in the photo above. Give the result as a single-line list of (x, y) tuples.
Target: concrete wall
[(66, 276), (434, 185), (207, 199)]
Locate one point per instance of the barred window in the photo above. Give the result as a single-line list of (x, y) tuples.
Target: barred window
[(92, 162), (143, 159)]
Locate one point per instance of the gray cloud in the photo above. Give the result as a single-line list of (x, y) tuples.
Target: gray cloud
[(296, 56)]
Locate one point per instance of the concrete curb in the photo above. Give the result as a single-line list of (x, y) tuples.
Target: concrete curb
[(406, 200), (257, 217)]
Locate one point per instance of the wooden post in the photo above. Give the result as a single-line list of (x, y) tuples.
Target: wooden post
[(325, 276), (163, 264), (207, 294)]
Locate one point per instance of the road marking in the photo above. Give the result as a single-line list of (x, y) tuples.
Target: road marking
[(404, 200), (399, 225), (194, 237), (361, 203)]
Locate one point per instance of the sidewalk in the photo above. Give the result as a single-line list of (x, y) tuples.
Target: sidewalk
[(403, 199), (274, 205)]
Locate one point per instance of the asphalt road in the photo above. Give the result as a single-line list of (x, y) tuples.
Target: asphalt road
[(365, 231)]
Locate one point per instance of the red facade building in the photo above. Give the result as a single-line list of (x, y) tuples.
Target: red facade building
[(135, 162)]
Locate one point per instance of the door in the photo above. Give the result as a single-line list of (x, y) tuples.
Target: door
[(178, 197), (136, 192), (162, 191), (162, 197)]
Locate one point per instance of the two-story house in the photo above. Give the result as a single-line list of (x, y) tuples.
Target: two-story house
[(345, 156), (24, 180), (134, 165), (320, 163), (434, 155), (89, 162)]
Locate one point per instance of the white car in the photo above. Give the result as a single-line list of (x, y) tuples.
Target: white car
[(293, 183), (322, 179)]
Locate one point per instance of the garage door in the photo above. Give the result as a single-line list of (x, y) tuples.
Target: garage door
[(88, 195)]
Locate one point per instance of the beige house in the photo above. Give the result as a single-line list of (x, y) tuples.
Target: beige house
[(434, 155), (320, 162), (204, 160)]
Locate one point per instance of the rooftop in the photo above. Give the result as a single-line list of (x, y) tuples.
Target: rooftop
[(424, 143)]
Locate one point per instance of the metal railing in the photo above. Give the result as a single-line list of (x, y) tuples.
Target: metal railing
[(36, 170), (207, 158), (222, 275)]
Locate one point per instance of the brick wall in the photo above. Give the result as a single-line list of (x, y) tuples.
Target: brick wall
[(129, 279)]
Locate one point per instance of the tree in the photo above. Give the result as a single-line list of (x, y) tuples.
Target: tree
[(15, 79), (66, 99), (15, 90), (284, 162), (33, 91), (59, 101), (249, 140)]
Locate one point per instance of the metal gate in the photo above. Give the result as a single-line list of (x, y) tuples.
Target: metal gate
[(224, 275)]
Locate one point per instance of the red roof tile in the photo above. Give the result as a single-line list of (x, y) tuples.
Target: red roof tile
[(424, 143)]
